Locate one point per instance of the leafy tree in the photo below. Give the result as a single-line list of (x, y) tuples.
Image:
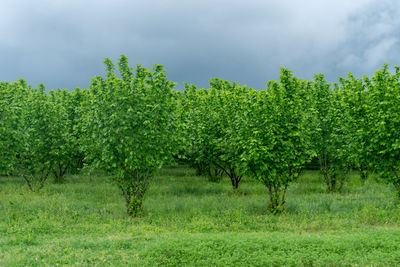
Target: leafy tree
[(131, 126), (5, 133), (356, 101), (328, 132), (69, 154), (38, 134), (63, 144), (208, 118), (383, 114), (275, 141), (227, 110), (11, 95), (75, 110), (193, 131)]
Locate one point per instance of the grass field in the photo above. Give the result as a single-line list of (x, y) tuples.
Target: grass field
[(189, 221)]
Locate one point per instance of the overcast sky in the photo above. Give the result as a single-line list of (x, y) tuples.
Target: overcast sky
[(62, 43)]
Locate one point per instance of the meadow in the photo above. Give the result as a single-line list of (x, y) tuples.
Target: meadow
[(190, 221)]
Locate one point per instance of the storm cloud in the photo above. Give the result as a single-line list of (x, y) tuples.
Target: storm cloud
[(62, 43)]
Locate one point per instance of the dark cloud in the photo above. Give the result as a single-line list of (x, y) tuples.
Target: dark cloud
[(62, 43)]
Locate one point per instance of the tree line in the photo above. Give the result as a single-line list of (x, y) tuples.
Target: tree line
[(133, 122)]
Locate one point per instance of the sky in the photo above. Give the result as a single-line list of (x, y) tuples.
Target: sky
[(62, 43)]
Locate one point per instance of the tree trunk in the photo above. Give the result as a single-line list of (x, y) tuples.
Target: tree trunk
[(59, 173), (235, 178), (134, 188), (277, 197), (363, 173)]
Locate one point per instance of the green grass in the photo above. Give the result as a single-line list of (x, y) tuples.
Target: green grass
[(189, 221)]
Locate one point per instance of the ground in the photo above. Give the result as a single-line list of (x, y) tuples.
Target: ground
[(189, 221)]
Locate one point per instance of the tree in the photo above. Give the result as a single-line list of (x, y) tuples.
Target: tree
[(38, 133), (383, 115), (11, 95), (208, 117), (196, 146), (329, 133), (64, 145), (131, 125), (227, 109), (275, 141), (75, 110), (356, 101), (69, 156)]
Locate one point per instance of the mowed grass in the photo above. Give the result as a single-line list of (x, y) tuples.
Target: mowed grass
[(189, 221)]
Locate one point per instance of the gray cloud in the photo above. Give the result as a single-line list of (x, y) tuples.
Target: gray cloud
[(62, 43)]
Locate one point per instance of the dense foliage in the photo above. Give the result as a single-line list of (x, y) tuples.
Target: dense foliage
[(9, 111), (382, 132), (356, 103), (132, 123), (208, 119), (40, 135), (329, 134), (276, 145)]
